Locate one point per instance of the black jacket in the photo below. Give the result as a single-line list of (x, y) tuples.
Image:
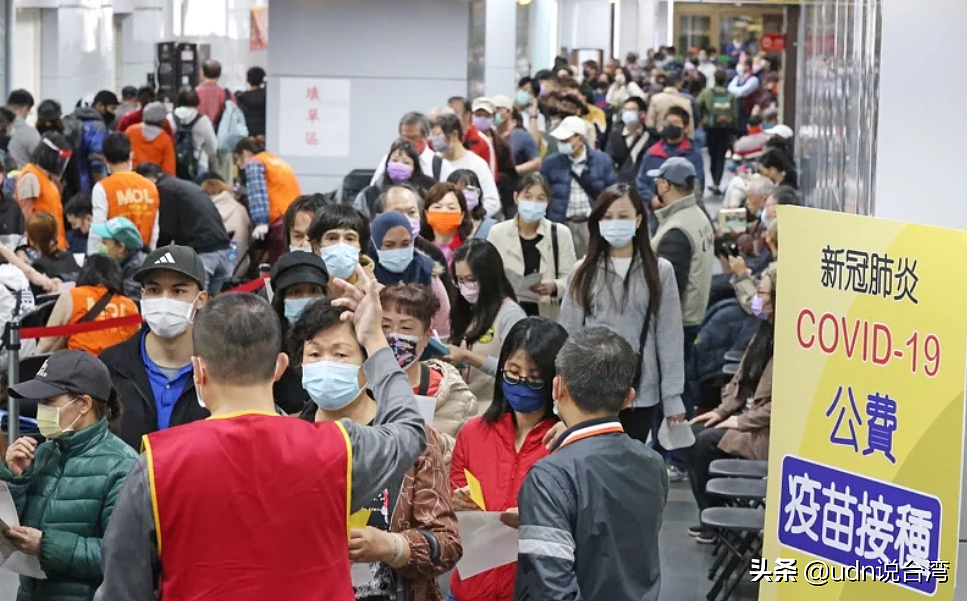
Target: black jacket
[(567, 551), (130, 378), (188, 217), (620, 153), (252, 103)]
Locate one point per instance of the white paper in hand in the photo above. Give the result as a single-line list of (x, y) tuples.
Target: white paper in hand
[(487, 542), (427, 406), (675, 436), (10, 558)]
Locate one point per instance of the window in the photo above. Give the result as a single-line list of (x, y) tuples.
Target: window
[(694, 31)]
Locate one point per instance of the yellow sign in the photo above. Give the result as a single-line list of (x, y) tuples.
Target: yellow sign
[(360, 519), (476, 491), (866, 445)]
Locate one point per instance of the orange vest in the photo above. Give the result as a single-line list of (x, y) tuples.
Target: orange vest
[(251, 506), (84, 299), (135, 197), (48, 201), (281, 182)]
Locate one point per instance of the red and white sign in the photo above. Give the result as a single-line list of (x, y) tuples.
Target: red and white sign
[(772, 42), (315, 121)]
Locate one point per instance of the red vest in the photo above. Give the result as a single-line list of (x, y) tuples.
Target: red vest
[(252, 507)]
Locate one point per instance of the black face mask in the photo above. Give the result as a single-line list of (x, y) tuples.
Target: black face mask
[(671, 132)]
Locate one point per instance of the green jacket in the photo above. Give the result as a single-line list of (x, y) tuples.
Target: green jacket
[(68, 493), (706, 99)]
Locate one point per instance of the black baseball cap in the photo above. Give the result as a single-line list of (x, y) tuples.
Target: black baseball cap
[(299, 267), (129, 93), (65, 372), (180, 259), (106, 97)]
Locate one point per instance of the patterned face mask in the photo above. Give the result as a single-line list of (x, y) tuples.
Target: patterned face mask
[(404, 348)]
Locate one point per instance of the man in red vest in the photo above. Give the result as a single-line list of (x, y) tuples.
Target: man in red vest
[(248, 505)]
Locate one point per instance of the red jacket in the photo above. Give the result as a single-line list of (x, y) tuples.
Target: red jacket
[(477, 143), (488, 452), (137, 116)]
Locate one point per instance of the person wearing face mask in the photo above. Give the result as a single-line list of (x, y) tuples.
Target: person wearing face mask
[(41, 230), (408, 309), (524, 148), (153, 369), (467, 182), (577, 174), (121, 241), (567, 553), (622, 285), (398, 262), (504, 443), (415, 128), (473, 139), (297, 280), (504, 169), (623, 89), (340, 234), (408, 201), (446, 138), (745, 279), (532, 244), (447, 222), (670, 97), (65, 488), (307, 477), (628, 141), (707, 66), (674, 143), (721, 111), (482, 315), (739, 427), (402, 166), (407, 535), (744, 85), (98, 295)]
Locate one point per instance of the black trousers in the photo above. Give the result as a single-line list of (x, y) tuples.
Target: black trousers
[(637, 422), (717, 141), (699, 457)]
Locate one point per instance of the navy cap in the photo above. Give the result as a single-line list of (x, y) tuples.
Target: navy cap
[(65, 372)]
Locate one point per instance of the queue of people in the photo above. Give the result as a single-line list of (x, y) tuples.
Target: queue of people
[(503, 309)]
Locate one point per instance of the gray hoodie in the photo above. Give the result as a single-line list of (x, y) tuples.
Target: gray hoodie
[(663, 362)]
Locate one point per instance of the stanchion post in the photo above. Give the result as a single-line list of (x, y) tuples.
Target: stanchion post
[(12, 342)]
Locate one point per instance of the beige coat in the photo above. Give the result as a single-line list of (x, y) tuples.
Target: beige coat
[(660, 103), (455, 404), (506, 238), (751, 438)]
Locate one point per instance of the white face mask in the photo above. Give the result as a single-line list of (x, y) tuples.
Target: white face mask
[(168, 317), (48, 421)]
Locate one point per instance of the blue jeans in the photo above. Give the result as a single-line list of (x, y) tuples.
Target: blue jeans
[(218, 269), (450, 597)]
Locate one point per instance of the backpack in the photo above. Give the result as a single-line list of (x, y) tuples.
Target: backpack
[(186, 160), (231, 126), (721, 117)]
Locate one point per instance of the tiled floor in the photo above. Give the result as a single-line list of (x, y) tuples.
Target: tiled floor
[(685, 563)]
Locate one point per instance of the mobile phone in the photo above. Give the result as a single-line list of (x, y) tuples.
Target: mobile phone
[(435, 349)]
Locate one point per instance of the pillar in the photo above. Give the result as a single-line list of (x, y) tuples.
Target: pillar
[(544, 34), (500, 48), (142, 27)]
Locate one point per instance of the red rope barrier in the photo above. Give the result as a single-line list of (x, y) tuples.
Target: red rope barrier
[(120, 322)]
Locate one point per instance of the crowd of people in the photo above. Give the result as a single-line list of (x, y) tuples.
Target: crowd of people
[(538, 272)]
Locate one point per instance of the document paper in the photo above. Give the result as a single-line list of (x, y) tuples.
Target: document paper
[(10, 558), (487, 542)]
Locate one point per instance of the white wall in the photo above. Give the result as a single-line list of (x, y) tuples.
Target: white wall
[(412, 57), (500, 48), (585, 24), (544, 33)]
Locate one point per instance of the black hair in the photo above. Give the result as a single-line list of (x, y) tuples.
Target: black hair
[(339, 217), (721, 77), (469, 322), (307, 203), (255, 76), (110, 408), (149, 170), (79, 205), (187, 96), (449, 124), (777, 159), (785, 145), (116, 148), (146, 94), (317, 317), (239, 338), (544, 75), (6, 117), (759, 352), (101, 270), (461, 101), (405, 146), (541, 340), (211, 69), (527, 81), (468, 178), (534, 179), (754, 120), (679, 112), (436, 194), (48, 158), (584, 279), (641, 103), (20, 99), (253, 144)]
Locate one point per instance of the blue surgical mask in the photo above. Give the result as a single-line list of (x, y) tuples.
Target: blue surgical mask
[(618, 232), (300, 249), (395, 260), (522, 398), (764, 219), (629, 117), (565, 148), (531, 210), (330, 385), (295, 306), (341, 259), (524, 98)]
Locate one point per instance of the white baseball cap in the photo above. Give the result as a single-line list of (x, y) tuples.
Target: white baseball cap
[(502, 102), (781, 130), (483, 103), (570, 127)]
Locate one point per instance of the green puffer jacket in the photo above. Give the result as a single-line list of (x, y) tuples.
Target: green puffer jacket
[(68, 493)]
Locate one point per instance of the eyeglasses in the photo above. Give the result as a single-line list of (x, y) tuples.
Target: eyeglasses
[(513, 379)]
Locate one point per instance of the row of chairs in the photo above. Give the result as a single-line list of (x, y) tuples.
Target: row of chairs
[(741, 484)]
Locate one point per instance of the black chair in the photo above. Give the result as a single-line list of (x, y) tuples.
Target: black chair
[(740, 532), (39, 316), (738, 468), (738, 491), (354, 183)]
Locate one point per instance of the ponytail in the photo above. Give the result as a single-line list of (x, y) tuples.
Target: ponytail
[(110, 409)]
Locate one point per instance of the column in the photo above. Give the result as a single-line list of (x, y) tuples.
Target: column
[(142, 27), (394, 55), (544, 34), (626, 15), (77, 51), (647, 26), (500, 49)]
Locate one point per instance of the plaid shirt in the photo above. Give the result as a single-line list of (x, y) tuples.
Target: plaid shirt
[(258, 192), (578, 205), (212, 99)]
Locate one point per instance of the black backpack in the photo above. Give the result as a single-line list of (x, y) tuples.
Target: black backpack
[(185, 159)]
